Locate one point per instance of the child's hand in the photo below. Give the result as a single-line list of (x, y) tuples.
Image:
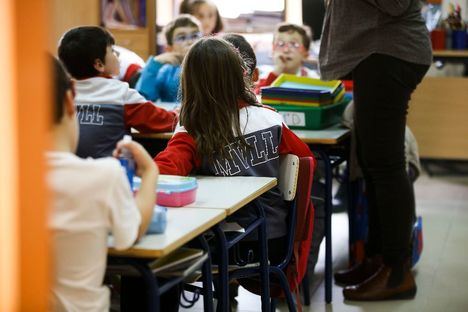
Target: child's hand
[(144, 163), (170, 58), (280, 63), (177, 110)]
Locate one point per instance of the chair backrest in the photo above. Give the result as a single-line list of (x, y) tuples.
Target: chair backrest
[(295, 182), (303, 196), (288, 175)]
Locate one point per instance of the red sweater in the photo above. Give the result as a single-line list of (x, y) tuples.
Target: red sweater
[(268, 138)]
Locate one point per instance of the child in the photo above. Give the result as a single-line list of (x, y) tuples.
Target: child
[(91, 199), (206, 12), (159, 79), (290, 48), (107, 108), (224, 132), (247, 53), (130, 65)]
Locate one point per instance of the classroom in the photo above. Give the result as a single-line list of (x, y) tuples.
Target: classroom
[(217, 155)]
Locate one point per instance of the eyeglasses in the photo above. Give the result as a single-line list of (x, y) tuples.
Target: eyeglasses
[(290, 45), (187, 37)]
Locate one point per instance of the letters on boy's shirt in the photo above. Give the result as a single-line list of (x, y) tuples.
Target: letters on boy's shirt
[(89, 114)]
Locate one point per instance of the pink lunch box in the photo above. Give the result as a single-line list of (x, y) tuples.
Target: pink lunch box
[(176, 191)]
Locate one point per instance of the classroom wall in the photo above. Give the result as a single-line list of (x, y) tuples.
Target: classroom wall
[(67, 14)]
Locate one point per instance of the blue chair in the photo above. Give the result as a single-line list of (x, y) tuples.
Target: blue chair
[(295, 182)]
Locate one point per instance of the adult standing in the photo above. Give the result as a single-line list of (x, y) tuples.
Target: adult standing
[(384, 47)]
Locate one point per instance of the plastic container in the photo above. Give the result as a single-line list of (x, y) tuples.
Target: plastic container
[(459, 38), (313, 118), (438, 39), (176, 191), (127, 161), (159, 221)]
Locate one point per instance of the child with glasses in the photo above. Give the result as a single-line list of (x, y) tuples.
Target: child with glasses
[(107, 108), (159, 79), (291, 44)]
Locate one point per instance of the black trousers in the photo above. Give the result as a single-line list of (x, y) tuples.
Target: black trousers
[(382, 89)]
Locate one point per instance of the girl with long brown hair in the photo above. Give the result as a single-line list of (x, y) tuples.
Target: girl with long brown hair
[(223, 131)]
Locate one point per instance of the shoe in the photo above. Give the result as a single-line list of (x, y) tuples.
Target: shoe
[(377, 287), (360, 272)]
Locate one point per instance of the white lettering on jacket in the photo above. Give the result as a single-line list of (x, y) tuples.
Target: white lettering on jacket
[(88, 114), (262, 149)]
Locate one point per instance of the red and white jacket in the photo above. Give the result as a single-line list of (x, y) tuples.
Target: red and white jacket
[(268, 136), (106, 110)]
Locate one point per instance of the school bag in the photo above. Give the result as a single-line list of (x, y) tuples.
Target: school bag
[(359, 228)]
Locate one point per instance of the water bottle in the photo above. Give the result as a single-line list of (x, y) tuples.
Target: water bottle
[(127, 161)]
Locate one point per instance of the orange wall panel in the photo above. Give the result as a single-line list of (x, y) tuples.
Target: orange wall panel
[(8, 166)]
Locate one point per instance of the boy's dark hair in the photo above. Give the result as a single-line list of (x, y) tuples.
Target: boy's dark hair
[(189, 7), (245, 50), (62, 84), (184, 20), (303, 30), (81, 46)]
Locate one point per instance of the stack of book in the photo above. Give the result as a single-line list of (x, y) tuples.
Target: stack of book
[(306, 103), (302, 91)]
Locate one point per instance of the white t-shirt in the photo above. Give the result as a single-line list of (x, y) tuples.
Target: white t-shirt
[(92, 198)]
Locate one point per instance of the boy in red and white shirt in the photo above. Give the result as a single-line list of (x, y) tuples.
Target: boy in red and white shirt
[(107, 108), (291, 45)]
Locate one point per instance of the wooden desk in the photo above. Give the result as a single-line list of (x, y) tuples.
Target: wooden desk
[(327, 136), (438, 117), (438, 110), (156, 136), (450, 53), (230, 193), (217, 197), (183, 225)]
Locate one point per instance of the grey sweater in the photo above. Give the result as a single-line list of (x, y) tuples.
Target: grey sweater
[(355, 29)]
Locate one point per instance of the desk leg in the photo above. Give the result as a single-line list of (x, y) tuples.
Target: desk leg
[(352, 191), (328, 233), (223, 278), (207, 278), (264, 266), (150, 284)]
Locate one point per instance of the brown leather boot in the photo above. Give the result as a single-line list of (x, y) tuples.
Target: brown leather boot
[(360, 272), (377, 287)]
